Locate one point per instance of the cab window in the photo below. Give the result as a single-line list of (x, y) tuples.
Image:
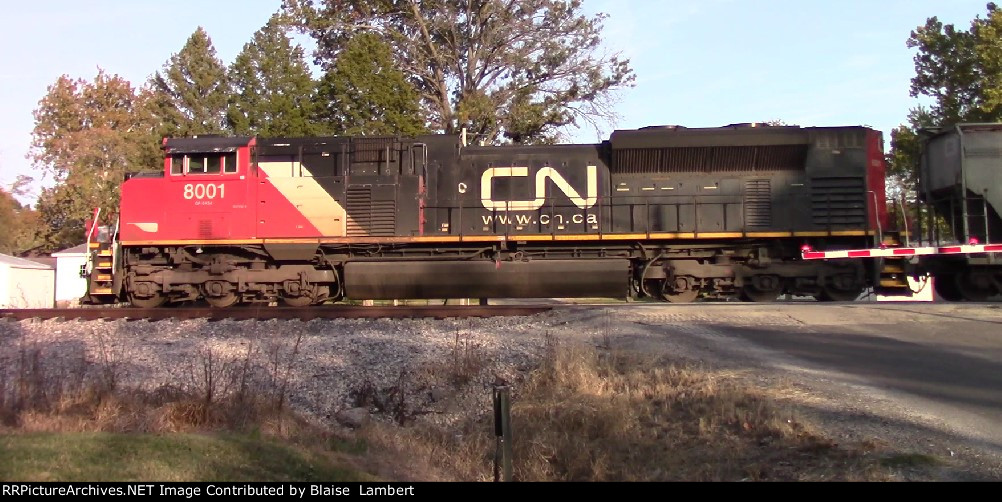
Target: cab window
[(203, 163), (230, 162), (177, 165), (199, 163)]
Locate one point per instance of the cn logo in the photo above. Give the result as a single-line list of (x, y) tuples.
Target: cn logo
[(487, 182)]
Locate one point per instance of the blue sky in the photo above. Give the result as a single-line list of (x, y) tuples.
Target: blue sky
[(698, 63)]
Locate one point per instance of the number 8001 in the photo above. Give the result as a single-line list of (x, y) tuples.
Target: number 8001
[(204, 191)]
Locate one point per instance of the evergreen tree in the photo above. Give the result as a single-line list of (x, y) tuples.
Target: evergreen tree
[(192, 92), (364, 94), (273, 93)]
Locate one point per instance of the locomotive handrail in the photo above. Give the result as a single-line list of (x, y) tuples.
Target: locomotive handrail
[(647, 217), (114, 239), (880, 230), (88, 265), (695, 214), (904, 222), (600, 209)]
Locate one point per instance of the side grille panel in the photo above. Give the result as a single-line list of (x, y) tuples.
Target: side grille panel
[(367, 217), (838, 202), (758, 203)]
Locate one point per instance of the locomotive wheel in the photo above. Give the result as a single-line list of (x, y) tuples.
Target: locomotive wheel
[(831, 294), (974, 287), (687, 296), (219, 294), (840, 288), (753, 294), (684, 290), (221, 302), (762, 289), (652, 288), (151, 302), (297, 301), (946, 287)]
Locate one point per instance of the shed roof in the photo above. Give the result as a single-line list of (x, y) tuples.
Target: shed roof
[(15, 262), (75, 250), (44, 260)]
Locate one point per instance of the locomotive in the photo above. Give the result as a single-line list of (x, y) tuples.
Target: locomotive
[(668, 212)]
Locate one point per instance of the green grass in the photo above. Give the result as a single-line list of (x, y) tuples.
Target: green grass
[(168, 457)]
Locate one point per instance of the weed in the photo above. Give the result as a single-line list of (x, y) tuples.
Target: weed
[(468, 359)]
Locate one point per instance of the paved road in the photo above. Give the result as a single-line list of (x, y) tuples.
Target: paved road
[(945, 359), (939, 364)]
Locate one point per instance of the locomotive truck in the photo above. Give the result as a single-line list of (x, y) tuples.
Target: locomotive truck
[(671, 213)]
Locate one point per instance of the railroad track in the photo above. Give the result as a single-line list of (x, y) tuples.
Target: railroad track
[(262, 313)]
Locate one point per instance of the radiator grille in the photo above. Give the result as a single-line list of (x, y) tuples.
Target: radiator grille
[(373, 149), (710, 159), (758, 203), (367, 217), (838, 202)]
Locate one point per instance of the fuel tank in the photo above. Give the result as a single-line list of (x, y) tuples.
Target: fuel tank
[(601, 278)]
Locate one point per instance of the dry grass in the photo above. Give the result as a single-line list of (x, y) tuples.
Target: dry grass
[(603, 415), (40, 395), (113, 432)]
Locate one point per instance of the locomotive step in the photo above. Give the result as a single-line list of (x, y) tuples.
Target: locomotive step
[(100, 291)]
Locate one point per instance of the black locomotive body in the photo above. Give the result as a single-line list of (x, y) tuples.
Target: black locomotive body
[(673, 213)]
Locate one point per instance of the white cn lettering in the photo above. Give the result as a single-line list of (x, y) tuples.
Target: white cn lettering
[(487, 187)]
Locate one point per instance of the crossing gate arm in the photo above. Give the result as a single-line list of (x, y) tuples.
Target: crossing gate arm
[(809, 254)]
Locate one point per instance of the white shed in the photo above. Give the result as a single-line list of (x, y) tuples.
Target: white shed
[(69, 285), (25, 284)]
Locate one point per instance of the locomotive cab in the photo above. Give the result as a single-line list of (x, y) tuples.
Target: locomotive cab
[(197, 199)]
